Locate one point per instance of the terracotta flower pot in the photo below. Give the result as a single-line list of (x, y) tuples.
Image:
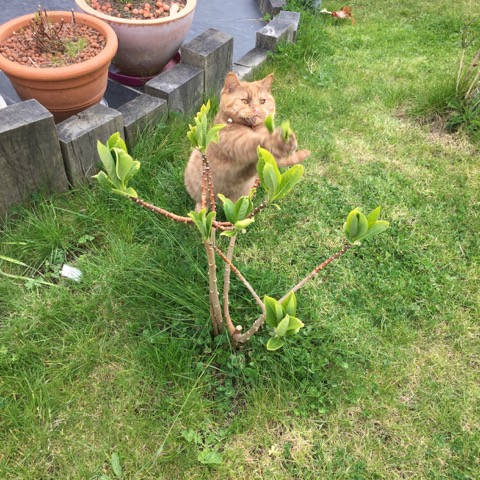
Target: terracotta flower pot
[(64, 91), (146, 46)]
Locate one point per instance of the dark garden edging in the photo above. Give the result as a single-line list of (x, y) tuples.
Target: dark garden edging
[(37, 155)]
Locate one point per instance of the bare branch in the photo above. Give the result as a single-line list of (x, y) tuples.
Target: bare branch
[(204, 185), (226, 287), (175, 217), (257, 209), (236, 271), (314, 272), (239, 338), (160, 211)]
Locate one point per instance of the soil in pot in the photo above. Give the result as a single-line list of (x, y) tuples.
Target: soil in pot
[(138, 9), (46, 44)]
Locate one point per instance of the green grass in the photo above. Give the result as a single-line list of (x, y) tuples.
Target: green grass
[(382, 383)]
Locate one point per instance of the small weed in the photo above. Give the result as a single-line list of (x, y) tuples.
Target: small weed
[(73, 48), (207, 444)]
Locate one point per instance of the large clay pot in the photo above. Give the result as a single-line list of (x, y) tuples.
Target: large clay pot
[(64, 91), (146, 46)]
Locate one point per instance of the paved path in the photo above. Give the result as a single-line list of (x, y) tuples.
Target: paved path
[(239, 18)]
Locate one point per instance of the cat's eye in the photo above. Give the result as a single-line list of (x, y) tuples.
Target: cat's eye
[(262, 101), (245, 101)]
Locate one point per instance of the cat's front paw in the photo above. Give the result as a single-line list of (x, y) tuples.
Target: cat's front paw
[(302, 155), (285, 146)]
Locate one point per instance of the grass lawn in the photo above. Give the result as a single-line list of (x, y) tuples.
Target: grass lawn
[(383, 381)]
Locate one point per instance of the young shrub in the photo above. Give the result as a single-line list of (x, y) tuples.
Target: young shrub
[(279, 315)]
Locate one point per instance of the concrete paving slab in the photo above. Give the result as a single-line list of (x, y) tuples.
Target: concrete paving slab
[(239, 18)]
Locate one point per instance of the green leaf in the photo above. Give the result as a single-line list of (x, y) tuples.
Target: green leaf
[(229, 233), (275, 343), (199, 132), (356, 226), (351, 224), (27, 279), (264, 156), (12, 260), (270, 179), (104, 181), (198, 220), (126, 192), (191, 135), (131, 192), (124, 164), (115, 139), (228, 208), (203, 222), (243, 208), (286, 130), (282, 327), (108, 162), (205, 108), (133, 171), (213, 134), (294, 326), (243, 224), (378, 227), (373, 216), (290, 304), (270, 123), (204, 117), (191, 436), (273, 310), (362, 225), (209, 457), (116, 467), (268, 172), (199, 135), (208, 222), (85, 238), (288, 180)]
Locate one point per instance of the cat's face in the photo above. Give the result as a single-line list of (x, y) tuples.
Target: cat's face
[(247, 103)]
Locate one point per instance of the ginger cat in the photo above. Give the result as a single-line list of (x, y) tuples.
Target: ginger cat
[(244, 106)]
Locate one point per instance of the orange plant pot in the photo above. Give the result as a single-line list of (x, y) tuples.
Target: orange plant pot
[(64, 91)]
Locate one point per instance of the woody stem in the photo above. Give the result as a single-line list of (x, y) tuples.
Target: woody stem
[(215, 309), (226, 286), (236, 271), (208, 175)]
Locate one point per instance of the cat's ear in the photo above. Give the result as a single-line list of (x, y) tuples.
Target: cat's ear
[(231, 83), (267, 82)]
